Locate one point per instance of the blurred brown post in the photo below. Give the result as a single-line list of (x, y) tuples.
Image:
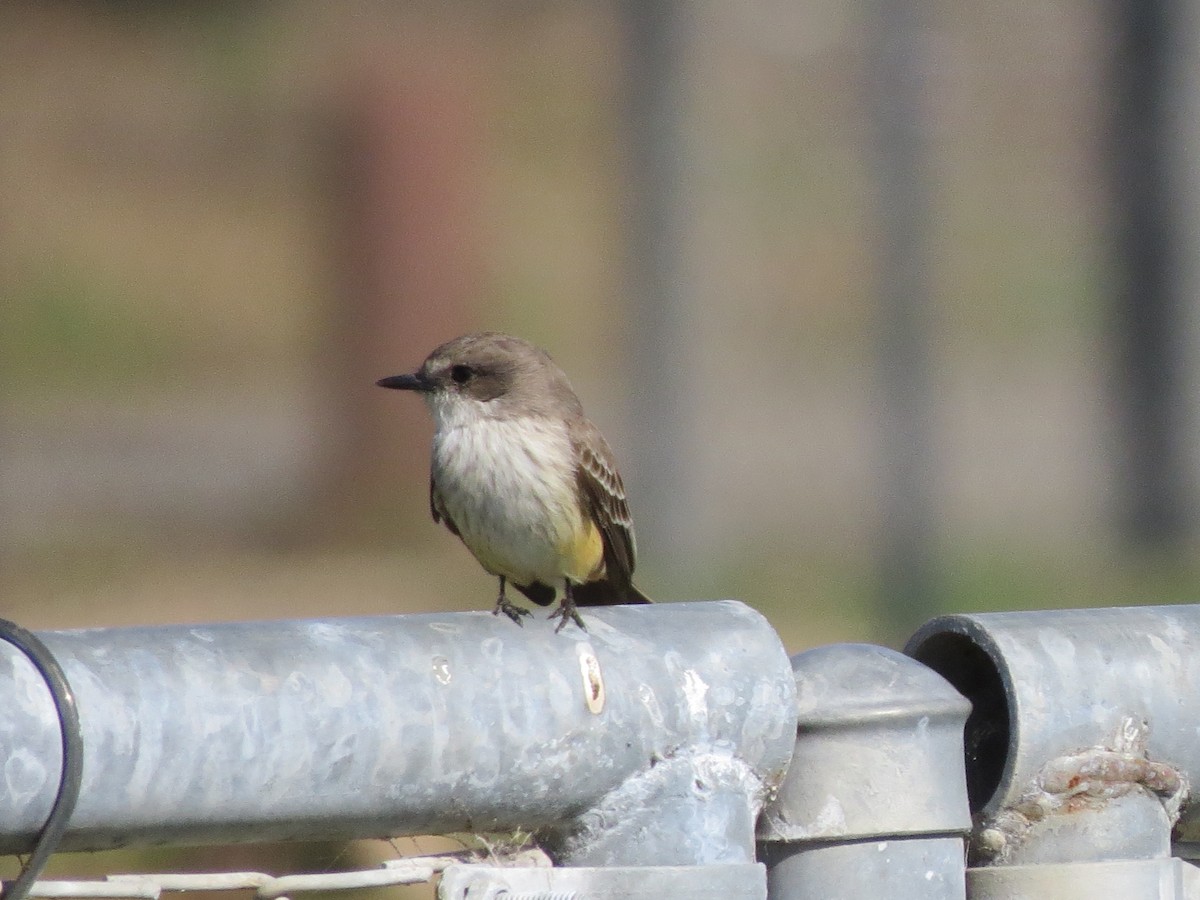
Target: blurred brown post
[(673, 515), (898, 59), (1156, 486), (405, 179)]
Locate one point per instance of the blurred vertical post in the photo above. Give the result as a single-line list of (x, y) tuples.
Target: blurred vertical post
[(1154, 491), (408, 259), (897, 58), (663, 477)]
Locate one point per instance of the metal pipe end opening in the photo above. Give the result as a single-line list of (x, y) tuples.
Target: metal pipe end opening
[(987, 737)]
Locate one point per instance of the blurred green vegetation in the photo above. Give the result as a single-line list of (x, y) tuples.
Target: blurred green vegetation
[(64, 330)]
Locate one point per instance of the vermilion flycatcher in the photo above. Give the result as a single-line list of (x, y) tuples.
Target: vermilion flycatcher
[(523, 477)]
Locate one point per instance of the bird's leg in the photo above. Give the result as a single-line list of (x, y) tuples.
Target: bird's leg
[(566, 609), (506, 606)]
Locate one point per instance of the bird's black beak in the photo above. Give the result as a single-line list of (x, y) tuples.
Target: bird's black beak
[(414, 382)]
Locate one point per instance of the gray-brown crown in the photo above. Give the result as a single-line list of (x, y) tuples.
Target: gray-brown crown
[(500, 369)]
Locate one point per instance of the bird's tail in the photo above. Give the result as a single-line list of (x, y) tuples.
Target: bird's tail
[(634, 595), (606, 593)]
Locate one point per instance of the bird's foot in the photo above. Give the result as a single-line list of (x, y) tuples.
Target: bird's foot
[(566, 610), (510, 609)]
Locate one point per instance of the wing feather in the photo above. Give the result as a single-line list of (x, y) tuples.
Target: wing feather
[(603, 494), (438, 511)]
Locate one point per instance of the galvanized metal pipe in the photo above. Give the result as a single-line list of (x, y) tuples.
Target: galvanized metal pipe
[(378, 726), (1093, 713), (875, 801)]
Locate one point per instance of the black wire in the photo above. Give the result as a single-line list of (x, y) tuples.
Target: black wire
[(72, 755)]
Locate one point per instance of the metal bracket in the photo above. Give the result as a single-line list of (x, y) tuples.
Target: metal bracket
[(738, 881)]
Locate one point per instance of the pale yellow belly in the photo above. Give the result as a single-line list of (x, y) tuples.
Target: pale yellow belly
[(528, 555), (511, 494)]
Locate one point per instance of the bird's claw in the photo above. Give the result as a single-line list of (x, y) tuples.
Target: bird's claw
[(567, 611), (510, 609)]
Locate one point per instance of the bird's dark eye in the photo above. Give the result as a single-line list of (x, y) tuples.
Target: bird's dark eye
[(460, 374)]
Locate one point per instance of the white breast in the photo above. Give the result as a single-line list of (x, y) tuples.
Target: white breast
[(509, 487)]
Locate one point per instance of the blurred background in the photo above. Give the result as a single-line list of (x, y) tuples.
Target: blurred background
[(886, 310)]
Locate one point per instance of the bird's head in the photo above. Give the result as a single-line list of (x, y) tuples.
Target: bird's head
[(489, 375)]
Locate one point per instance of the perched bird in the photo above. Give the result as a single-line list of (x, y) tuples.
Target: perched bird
[(523, 477)]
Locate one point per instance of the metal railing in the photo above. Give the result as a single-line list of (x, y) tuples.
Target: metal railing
[(670, 750)]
